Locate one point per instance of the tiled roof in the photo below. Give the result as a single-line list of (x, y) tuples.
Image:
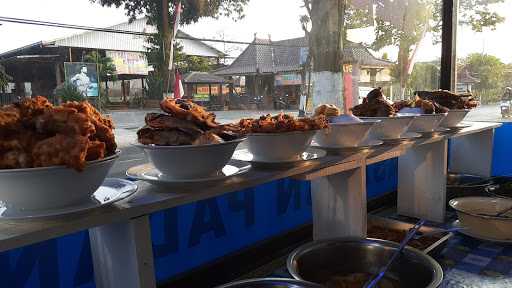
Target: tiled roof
[(286, 55), (202, 77)]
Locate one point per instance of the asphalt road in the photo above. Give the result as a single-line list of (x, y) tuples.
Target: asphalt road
[(128, 122)]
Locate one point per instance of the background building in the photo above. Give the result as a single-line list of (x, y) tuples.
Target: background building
[(38, 68)]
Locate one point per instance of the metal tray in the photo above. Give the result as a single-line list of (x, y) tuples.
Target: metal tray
[(433, 250)]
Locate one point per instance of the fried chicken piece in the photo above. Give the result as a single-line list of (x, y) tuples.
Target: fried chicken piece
[(374, 105), (32, 107), (61, 150), (282, 123), (188, 110), (426, 106), (175, 137), (103, 125), (328, 110), (95, 150), (9, 118), (208, 138), (94, 115), (164, 121), (15, 159), (64, 120), (448, 99)]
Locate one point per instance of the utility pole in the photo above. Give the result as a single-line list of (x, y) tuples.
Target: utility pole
[(327, 22)]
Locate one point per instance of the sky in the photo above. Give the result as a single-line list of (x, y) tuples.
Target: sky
[(278, 19)]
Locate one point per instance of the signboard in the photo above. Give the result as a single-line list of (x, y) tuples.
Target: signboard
[(202, 93), (288, 79), (84, 76), (132, 63)]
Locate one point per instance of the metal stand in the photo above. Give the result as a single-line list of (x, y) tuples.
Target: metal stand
[(472, 154), (422, 181), (122, 254), (339, 204)]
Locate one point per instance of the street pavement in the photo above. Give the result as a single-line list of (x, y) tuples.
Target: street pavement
[(128, 122)]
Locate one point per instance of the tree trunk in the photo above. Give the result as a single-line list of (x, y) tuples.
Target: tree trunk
[(326, 48), (166, 46), (403, 64)]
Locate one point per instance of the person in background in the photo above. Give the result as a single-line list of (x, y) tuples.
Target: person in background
[(81, 81)]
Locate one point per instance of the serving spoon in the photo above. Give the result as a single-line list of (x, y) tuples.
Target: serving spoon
[(382, 271)]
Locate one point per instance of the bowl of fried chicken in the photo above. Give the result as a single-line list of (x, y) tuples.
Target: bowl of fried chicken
[(457, 106), (53, 156), (280, 138), (185, 142)]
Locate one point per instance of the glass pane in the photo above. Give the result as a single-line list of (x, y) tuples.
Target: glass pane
[(394, 45), (483, 64)]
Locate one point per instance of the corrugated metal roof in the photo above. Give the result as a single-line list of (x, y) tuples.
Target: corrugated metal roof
[(132, 43)]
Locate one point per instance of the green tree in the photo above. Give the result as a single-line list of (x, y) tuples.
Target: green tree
[(106, 67), (417, 19), (160, 14), (4, 79), (69, 92), (490, 71), (424, 76), (425, 16)]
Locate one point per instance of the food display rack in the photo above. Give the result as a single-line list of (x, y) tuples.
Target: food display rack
[(120, 234)]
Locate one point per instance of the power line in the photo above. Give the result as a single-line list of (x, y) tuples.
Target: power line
[(136, 33)]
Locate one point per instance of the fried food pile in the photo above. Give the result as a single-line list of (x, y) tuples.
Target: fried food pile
[(448, 99), (426, 106), (34, 133), (185, 124), (374, 105), (329, 110), (282, 123), (430, 102)]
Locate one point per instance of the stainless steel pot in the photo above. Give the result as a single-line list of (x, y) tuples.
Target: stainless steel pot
[(270, 283), (320, 261)]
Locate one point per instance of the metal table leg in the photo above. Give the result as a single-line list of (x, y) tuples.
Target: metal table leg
[(422, 181), (472, 154), (339, 204), (122, 254)]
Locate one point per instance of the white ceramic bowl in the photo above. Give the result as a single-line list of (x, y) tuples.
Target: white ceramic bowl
[(454, 117), (344, 135), (389, 127), (468, 209), (52, 187), (190, 161), (426, 123), (279, 147)]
